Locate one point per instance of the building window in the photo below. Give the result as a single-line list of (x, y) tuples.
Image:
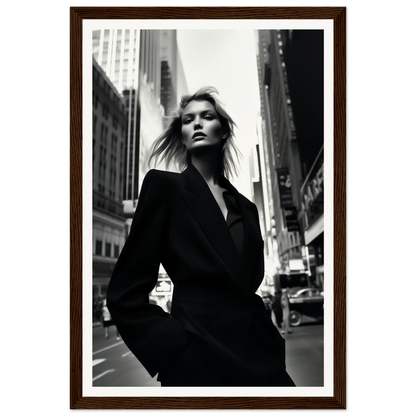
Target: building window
[(98, 247), (116, 250), (105, 111), (108, 249)]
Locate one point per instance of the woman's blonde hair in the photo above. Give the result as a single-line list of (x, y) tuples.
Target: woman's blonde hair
[(169, 144)]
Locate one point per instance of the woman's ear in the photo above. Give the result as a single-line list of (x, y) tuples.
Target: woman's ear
[(225, 136)]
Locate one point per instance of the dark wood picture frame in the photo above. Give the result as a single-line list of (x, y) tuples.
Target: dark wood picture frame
[(338, 401)]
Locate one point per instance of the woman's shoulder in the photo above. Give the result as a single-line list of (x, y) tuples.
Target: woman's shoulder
[(158, 186), (155, 175), (161, 181)]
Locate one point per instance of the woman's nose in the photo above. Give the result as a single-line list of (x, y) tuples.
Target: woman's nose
[(197, 124)]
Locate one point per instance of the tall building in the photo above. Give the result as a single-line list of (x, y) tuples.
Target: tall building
[(117, 52), (303, 56), (303, 51), (282, 163), (146, 68), (173, 83), (290, 68), (109, 131)]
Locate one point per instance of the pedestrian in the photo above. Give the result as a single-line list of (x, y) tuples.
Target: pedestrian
[(277, 308), (285, 313), (207, 237), (107, 321), (268, 301)]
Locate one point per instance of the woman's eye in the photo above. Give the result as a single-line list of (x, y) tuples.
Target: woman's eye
[(190, 120)]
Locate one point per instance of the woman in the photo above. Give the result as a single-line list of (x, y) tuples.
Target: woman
[(207, 236)]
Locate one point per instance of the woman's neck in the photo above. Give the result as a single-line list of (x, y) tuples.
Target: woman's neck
[(208, 168)]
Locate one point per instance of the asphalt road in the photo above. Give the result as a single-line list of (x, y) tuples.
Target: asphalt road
[(115, 365), (305, 354)]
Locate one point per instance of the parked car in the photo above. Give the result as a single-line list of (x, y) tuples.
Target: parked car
[(306, 301)]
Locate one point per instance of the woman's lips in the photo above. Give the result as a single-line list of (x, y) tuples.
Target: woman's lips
[(197, 136)]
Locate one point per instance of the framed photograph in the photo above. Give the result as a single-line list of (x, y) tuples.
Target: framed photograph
[(281, 75)]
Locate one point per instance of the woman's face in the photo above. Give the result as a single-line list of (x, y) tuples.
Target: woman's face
[(201, 126)]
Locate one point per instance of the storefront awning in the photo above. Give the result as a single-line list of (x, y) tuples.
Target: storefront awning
[(314, 230)]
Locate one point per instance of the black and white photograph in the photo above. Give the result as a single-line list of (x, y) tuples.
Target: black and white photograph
[(208, 269)]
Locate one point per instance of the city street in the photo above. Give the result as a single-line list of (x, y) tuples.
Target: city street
[(115, 365), (305, 354)]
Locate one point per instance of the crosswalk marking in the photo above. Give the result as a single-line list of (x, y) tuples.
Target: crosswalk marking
[(107, 348), (102, 374), (97, 361), (126, 354)]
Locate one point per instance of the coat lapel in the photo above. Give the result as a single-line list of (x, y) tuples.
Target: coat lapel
[(252, 235), (206, 211)]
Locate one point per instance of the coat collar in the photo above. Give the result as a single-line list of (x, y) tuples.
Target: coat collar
[(204, 207), (195, 183)]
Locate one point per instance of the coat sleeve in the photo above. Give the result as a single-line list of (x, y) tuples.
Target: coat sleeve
[(150, 333)]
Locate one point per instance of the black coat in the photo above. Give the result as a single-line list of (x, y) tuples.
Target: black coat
[(218, 332)]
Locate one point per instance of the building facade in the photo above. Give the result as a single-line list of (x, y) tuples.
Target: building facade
[(146, 68), (282, 162), (117, 52), (108, 142), (173, 82), (291, 140), (303, 51)]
